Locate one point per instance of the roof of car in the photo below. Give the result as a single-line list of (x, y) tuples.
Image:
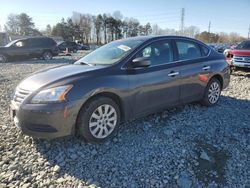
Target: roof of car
[(157, 36), (146, 38)]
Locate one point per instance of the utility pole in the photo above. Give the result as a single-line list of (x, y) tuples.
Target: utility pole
[(209, 27), (248, 32), (182, 20)]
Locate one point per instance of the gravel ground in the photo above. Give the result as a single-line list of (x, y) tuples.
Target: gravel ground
[(187, 146)]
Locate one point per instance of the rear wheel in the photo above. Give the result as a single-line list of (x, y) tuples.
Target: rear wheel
[(98, 119), (3, 58), (47, 55), (212, 93)]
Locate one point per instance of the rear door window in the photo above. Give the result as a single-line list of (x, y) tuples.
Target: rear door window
[(205, 50), (188, 50)]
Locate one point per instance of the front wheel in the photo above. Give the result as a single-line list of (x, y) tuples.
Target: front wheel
[(212, 93), (98, 119)]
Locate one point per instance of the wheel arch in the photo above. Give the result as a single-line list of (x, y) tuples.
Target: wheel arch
[(116, 98), (218, 77)]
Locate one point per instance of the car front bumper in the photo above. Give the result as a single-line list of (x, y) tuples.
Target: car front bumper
[(45, 120), (243, 62)]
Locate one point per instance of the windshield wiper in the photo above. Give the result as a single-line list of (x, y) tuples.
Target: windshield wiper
[(83, 63)]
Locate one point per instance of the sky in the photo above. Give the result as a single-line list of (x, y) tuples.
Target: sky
[(224, 15)]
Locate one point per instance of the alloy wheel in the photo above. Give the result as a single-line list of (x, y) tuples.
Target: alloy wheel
[(103, 121), (214, 92)]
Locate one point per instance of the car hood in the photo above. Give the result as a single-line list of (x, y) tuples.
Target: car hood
[(240, 52), (46, 76)]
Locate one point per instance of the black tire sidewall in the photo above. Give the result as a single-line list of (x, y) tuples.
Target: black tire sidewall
[(205, 100), (4, 57), (46, 53), (85, 114)]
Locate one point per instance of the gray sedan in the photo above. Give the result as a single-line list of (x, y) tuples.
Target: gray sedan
[(120, 81)]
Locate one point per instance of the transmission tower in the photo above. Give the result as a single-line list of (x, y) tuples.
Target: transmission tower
[(209, 28), (182, 20), (248, 32)]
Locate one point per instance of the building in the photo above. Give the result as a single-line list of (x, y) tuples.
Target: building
[(3, 39)]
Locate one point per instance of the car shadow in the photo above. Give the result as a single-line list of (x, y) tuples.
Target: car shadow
[(142, 146)]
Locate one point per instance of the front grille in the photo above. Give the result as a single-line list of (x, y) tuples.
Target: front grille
[(243, 59), (20, 95)]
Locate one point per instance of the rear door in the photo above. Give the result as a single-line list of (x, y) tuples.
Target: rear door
[(156, 86), (35, 47), (193, 68)]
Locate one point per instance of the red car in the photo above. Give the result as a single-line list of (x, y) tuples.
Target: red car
[(240, 56)]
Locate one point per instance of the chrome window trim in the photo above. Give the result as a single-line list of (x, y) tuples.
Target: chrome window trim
[(173, 62)]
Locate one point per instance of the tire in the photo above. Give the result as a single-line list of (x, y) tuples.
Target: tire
[(47, 55), (212, 93), (93, 126), (233, 69), (3, 58)]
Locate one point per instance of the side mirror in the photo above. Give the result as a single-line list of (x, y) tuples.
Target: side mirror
[(141, 62)]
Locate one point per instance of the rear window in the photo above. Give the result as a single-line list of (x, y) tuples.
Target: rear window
[(205, 50), (42, 42), (245, 45), (188, 50)]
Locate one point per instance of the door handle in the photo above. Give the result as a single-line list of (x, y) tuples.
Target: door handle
[(206, 67), (172, 74)]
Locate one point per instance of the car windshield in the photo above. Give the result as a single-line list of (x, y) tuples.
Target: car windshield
[(11, 43), (110, 53), (244, 45)]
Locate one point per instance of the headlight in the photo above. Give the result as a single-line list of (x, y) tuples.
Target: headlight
[(51, 95)]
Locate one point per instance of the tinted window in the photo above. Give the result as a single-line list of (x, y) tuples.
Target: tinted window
[(49, 41), (35, 42), (244, 45), (188, 50), (40, 42), (205, 50), (158, 52)]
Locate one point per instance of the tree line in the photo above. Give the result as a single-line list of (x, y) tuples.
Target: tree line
[(103, 28)]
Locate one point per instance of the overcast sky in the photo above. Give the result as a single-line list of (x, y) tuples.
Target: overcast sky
[(225, 15)]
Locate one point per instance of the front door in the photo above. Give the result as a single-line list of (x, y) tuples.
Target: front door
[(19, 49), (156, 86)]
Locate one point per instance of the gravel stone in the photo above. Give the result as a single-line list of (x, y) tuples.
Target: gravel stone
[(56, 168), (204, 156), (169, 149), (184, 180)]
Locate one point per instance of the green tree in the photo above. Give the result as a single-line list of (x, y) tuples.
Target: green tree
[(12, 24), (98, 25), (25, 24)]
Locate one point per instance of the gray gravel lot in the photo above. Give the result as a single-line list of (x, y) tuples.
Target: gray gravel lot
[(187, 146)]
